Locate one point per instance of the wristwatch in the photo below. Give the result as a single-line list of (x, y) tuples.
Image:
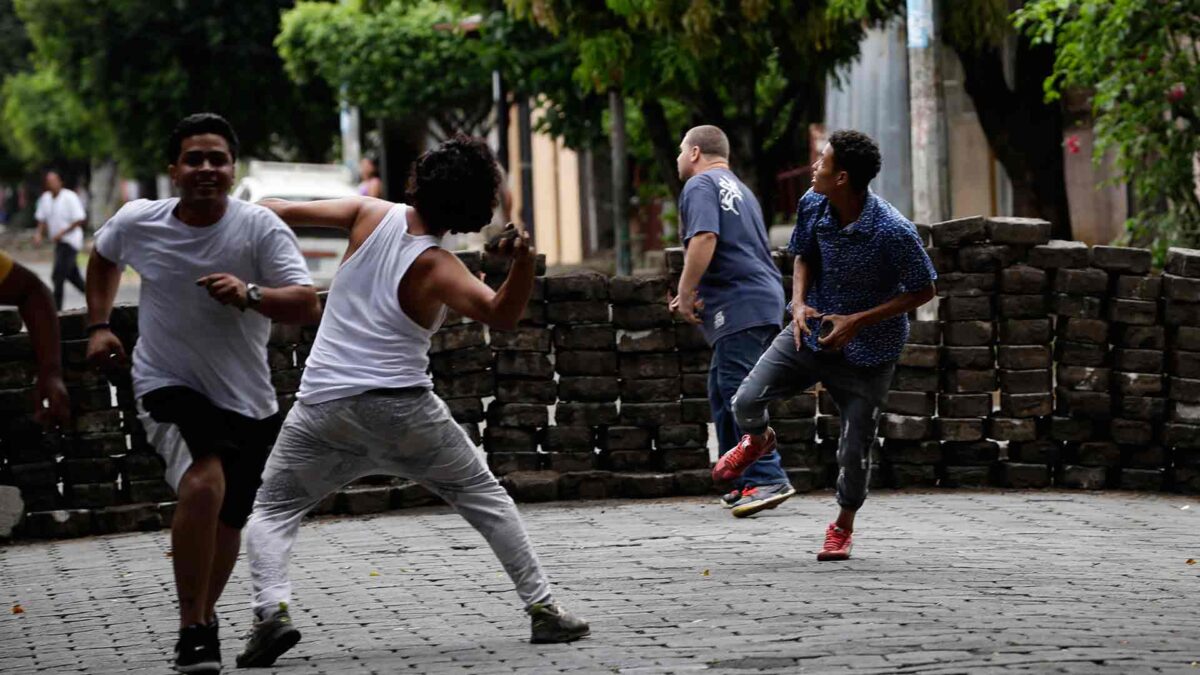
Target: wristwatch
[(254, 295)]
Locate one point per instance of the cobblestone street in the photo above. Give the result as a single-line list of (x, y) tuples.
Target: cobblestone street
[(941, 582)]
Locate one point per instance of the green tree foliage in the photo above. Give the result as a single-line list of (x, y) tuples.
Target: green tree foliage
[(14, 57), (141, 65), (1141, 61), (43, 120), (756, 68)]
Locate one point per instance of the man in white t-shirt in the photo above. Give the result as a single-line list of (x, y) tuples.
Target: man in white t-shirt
[(60, 212), (215, 272)]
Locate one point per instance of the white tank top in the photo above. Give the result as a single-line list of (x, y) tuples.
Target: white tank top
[(365, 340)]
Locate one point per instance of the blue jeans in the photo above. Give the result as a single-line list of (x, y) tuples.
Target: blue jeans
[(733, 358)]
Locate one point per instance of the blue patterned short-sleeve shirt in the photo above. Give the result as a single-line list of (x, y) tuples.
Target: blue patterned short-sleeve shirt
[(860, 266)]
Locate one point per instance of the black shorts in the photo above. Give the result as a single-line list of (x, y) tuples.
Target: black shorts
[(184, 425)]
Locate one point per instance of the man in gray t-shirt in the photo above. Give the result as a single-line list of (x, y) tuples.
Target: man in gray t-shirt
[(732, 290), (215, 272)]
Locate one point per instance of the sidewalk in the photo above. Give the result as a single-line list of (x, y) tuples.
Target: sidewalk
[(941, 582)]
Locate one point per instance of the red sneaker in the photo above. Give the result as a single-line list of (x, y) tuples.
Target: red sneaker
[(837, 544), (735, 462)]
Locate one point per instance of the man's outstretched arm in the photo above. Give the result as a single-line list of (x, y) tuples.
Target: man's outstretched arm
[(449, 280), (22, 288)]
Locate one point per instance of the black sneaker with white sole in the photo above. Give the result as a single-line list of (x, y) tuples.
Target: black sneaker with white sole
[(551, 623), (730, 498), (760, 498), (197, 651)]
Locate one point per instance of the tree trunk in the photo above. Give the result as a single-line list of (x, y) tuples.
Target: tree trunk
[(665, 145), (620, 174), (1023, 131)]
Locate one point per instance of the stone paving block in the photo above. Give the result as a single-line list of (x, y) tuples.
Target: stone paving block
[(1023, 357), (924, 332), (968, 333), (1138, 384), (94, 445), (904, 427), (967, 476), (564, 438), (361, 500), (955, 233), (630, 290), (978, 453), (914, 475), (36, 474), (986, 257), (1090, 331), (683, 459), (1012, 429), (695, 410), (562, 462), (505, 462), (830, 426), (510, 439), (470, 385), (1022, 306), (1026, 405), (1025, 381), (1181, 288), (1018, 231), (1084, 378), (1097, 453), (1080, 354), (1145, 456), (641, 317), (694, 482), (695, 361), (964, 405), (1185, 364), (1122, 259), (1141, 479), (12, 510), (920, 356), (650, 414), (692, 385), (1140, 337), (626, 438), (793, 407), (645, 341), (1082, 403), (1186, 413), (912, 452), (584, 338), (645, 391), (128, 518), (910, 403), (1041, 451), (1131, 432), (958, 308), (10, 322), (1138, 287), (1025, 476), (629, 460), (531, 486), (1176, 313), (57, 524), (943, 259), (534, 365), (1133, 312), (966, 284), (1138, 360), (585, 363), (585, 414), (969, 358), (1025, 331), (1077, 306), (689, 338), (1141, 407), (578, 311), (682, 436), (576, 286), (461, 361), (590, 389), (959, 429), (524, 338), (526, 391), (1022, 279), (1059, 253), (517, 414), (1184, 262), (967, 381), (1184, 389), (915, 379), (1186, 338), (1086, 281), (462, 336), (1084, 477), (648, 366)]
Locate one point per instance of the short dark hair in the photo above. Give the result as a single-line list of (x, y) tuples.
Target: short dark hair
[(858, 155), (454, 185), (710, 139), (197, 124)]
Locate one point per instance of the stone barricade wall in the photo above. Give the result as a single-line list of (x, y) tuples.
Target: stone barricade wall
[(1049, 364)]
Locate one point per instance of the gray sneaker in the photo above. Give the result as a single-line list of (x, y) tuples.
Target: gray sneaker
[(762, 497), (551, 623), (269, 639), (730, 498)]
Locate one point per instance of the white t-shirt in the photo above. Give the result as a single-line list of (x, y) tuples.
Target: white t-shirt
[(59, 212), (186, 338)]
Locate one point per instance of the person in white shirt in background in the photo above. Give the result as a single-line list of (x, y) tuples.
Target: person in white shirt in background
[(60, 212)]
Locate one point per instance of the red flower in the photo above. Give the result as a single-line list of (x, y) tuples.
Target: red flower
[(1073, 144), (1176, 93)]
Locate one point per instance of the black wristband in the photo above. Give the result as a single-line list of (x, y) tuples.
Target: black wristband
[(96, 327)]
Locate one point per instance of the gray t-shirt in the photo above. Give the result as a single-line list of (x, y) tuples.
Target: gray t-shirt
[(185, 337), (742, 287)]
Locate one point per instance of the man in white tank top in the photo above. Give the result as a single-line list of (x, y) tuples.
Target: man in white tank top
[(366, 404)]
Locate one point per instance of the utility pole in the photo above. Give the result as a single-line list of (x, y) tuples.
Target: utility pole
[(351, 146), (927, 107)]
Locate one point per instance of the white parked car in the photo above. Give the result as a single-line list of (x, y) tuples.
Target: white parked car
[(322, 247)]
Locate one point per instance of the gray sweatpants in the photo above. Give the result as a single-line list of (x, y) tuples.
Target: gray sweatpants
[(859, 393), (407, 433)]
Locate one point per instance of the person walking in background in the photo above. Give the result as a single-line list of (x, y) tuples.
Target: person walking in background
[(370, 185), (60, 213), (860, 268), (730, 278)]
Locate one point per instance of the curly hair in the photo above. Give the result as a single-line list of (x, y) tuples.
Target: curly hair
[(858, 155), (454, 186), (197, 124)]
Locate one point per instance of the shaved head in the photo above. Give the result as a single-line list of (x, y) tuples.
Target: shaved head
[(709, 139)]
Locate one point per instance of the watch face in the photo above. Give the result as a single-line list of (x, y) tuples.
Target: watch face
[(254, 293)]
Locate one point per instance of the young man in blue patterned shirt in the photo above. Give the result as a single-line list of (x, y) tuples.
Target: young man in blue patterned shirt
[(860, 269)]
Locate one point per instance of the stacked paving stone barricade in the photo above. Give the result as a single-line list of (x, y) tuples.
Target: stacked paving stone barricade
[(1049, 363)]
